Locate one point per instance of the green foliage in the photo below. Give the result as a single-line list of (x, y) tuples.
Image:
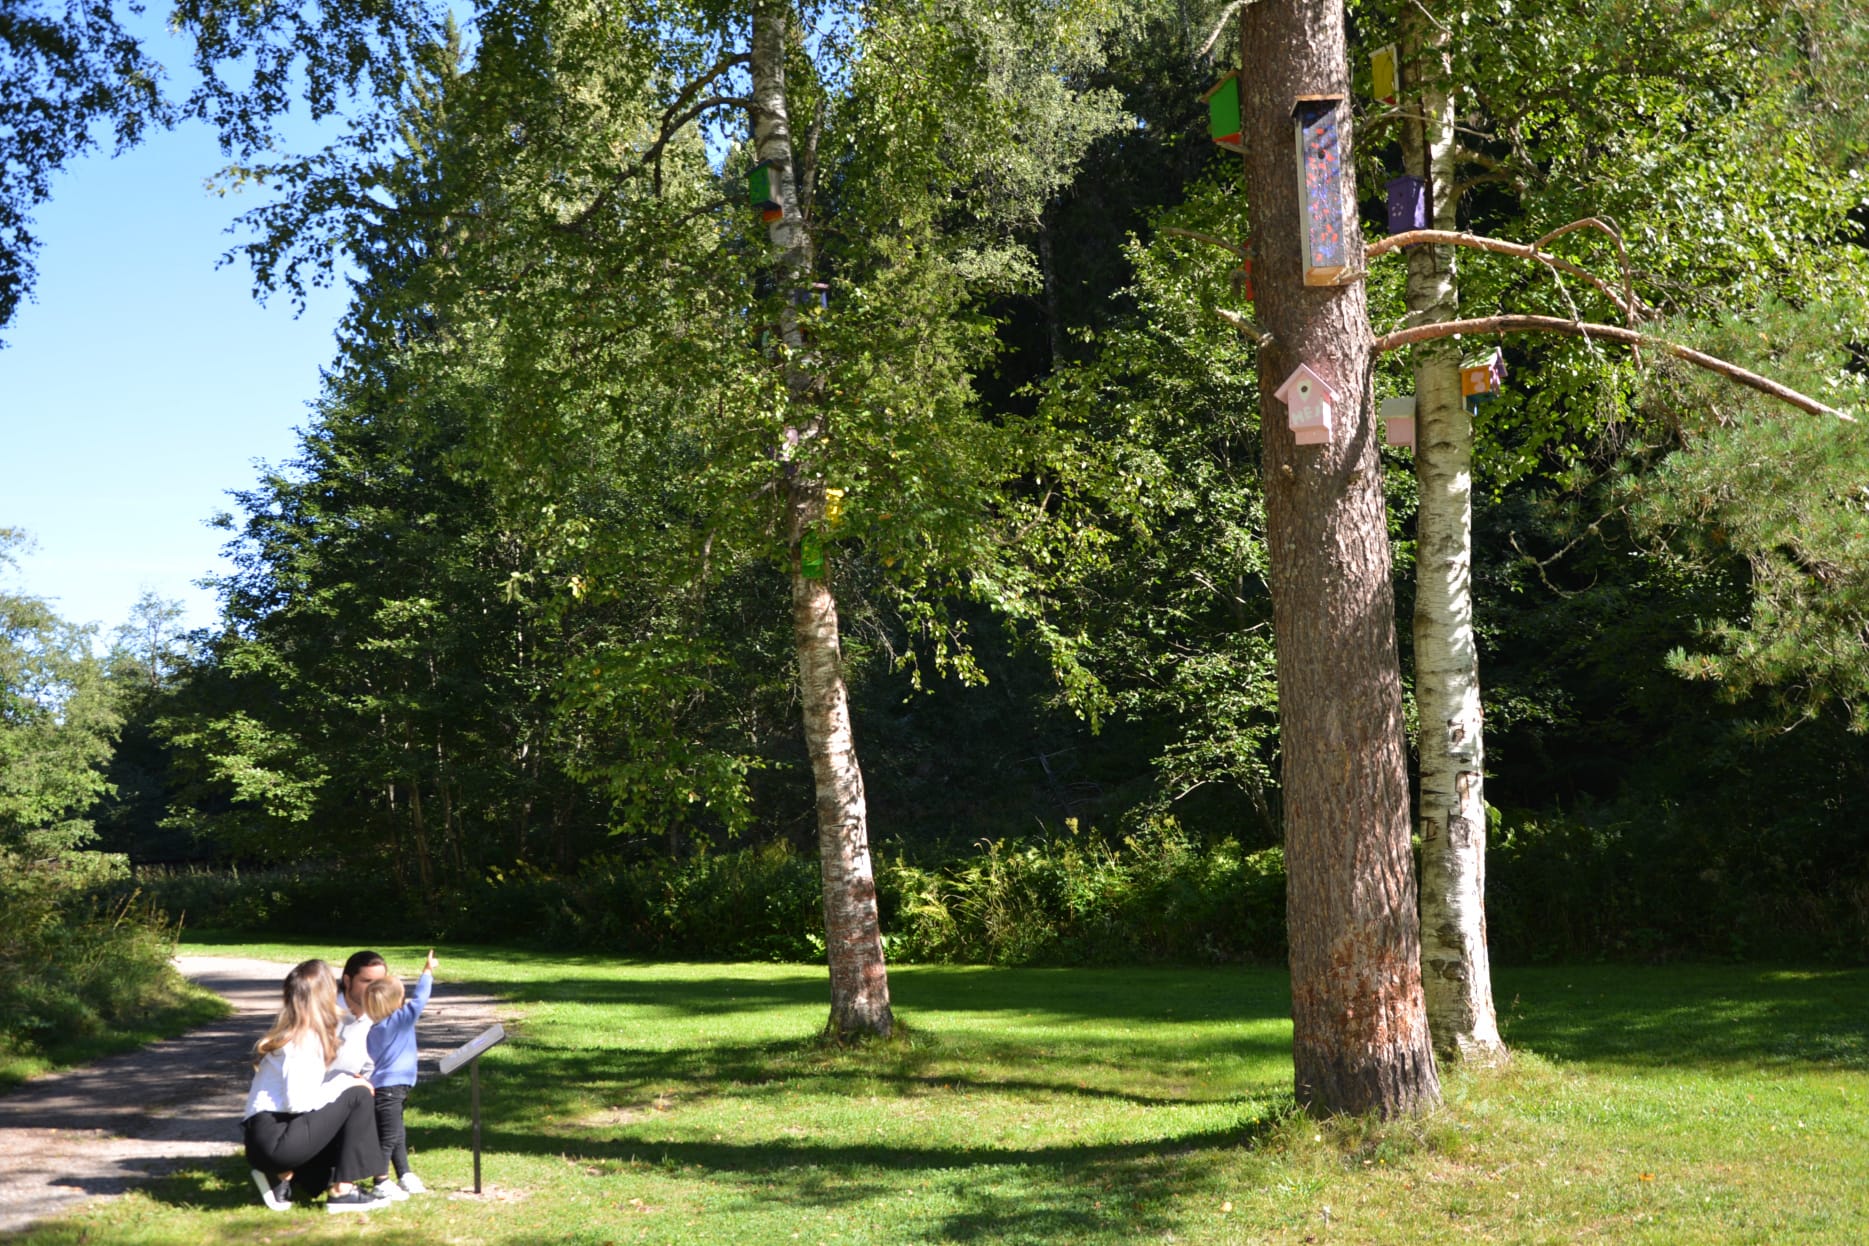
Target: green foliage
[(76, 970)]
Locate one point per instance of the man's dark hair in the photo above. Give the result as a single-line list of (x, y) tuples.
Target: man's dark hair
[(360, 961)]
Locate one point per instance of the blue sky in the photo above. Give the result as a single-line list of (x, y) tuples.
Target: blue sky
[(142, 385)]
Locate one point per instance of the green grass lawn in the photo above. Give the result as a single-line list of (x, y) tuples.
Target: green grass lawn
[(689, 1103)]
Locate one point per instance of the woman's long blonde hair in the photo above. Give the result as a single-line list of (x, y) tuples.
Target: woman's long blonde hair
[(309, 1007)]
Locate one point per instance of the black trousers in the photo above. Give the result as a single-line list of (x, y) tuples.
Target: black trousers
[(335, 1143), (389, 1130)]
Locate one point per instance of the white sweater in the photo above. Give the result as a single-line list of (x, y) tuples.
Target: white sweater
[(353, 1043), (292, 1079)]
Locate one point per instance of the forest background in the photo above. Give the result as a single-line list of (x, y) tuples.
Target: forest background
[(506, 651)]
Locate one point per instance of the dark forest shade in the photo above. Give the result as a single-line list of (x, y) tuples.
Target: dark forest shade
[(1321, 188), (1408, 204), (1223, 112)]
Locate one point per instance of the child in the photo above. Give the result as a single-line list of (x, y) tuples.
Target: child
[(392, 1052)]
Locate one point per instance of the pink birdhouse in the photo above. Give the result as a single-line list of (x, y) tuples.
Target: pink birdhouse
[(1308, 399), (1398, 420)]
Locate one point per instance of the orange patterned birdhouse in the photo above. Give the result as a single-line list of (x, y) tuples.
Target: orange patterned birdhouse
[(1310, 401)]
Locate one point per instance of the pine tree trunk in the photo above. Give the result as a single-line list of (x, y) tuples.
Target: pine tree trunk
[(1359, 1030), (852, 930), (1456, 971)]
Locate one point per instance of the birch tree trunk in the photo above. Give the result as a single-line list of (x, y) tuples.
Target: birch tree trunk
[(1456, 971), (852, 931), (1359, 1030)]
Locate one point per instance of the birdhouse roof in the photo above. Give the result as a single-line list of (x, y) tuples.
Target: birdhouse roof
[(1303, 372)]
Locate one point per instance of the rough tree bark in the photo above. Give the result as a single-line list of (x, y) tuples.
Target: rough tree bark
[(1359, 1031), (852, 931), (1456, 972)]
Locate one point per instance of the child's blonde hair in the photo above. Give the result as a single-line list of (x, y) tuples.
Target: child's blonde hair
[(382, 997)]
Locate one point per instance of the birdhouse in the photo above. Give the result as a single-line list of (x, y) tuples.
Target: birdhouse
[(811, 555), (1408, 204), (1384, 77), (762, 189), (1242, 279), (1223, 112), (833, 508), (1308, 400), (817, 295), (1482, 379), (1324, 211), (1398, 420)]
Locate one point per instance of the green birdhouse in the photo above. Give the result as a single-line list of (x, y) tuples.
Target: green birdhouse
[(811, 555), (1223, 112), (762, 188)]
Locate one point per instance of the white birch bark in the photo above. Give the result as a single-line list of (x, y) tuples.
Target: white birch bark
[(1456, 971), (852, 930)]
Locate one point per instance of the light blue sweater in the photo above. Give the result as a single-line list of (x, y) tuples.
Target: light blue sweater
[(392, 1040)]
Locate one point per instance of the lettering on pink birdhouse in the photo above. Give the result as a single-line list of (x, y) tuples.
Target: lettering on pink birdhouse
[(1398, 420), (1326, 218), (1309, 400)]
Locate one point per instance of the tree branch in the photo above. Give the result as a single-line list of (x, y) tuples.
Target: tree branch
[(1446, 237), (1245, 325), (1578, 328), (1244, 252)]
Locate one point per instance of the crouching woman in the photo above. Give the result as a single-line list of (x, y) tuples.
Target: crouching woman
[(299, 1122)]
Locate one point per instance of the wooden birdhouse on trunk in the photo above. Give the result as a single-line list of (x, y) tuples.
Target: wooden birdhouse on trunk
[(1482, 379), (1309, 403), (1408, 204), (1384, 76), (1324, 212), (762, 190), (1398, 420), (1223, 112)]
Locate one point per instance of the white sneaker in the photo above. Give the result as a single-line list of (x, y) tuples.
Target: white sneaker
[(387, 1188), (276, 1197), (355, 1199), (409, 1183)]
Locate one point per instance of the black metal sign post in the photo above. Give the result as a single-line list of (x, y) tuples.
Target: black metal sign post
[(469, 1054)]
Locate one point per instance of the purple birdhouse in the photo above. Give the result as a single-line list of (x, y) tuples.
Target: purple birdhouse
[(1408, 204), (1309, 400)]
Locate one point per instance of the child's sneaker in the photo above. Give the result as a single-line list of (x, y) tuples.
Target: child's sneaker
[(387, 1187), (276, 1197), (411, 1184), (355, 1199)]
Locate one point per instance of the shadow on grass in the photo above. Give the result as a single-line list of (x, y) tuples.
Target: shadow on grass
[(1688, 1015), (1044, 1193)]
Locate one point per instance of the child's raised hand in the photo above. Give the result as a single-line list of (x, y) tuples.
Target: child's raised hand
[(432, 962)]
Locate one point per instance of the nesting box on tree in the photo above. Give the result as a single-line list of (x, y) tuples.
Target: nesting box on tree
[(1398, 420), (762, 190), (833, 508), (1309, 402), (817, 294), (1324, 218), (1408, 204), (811, 555), (1384, 75), (1223, 112), (1481, 379)]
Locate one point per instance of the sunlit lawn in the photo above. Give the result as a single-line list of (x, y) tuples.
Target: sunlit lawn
[(689, 1103)]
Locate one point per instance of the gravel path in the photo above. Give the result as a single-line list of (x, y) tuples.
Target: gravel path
[(98, 1131)]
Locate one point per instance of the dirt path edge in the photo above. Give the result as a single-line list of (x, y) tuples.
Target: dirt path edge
[(101, 1130)]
